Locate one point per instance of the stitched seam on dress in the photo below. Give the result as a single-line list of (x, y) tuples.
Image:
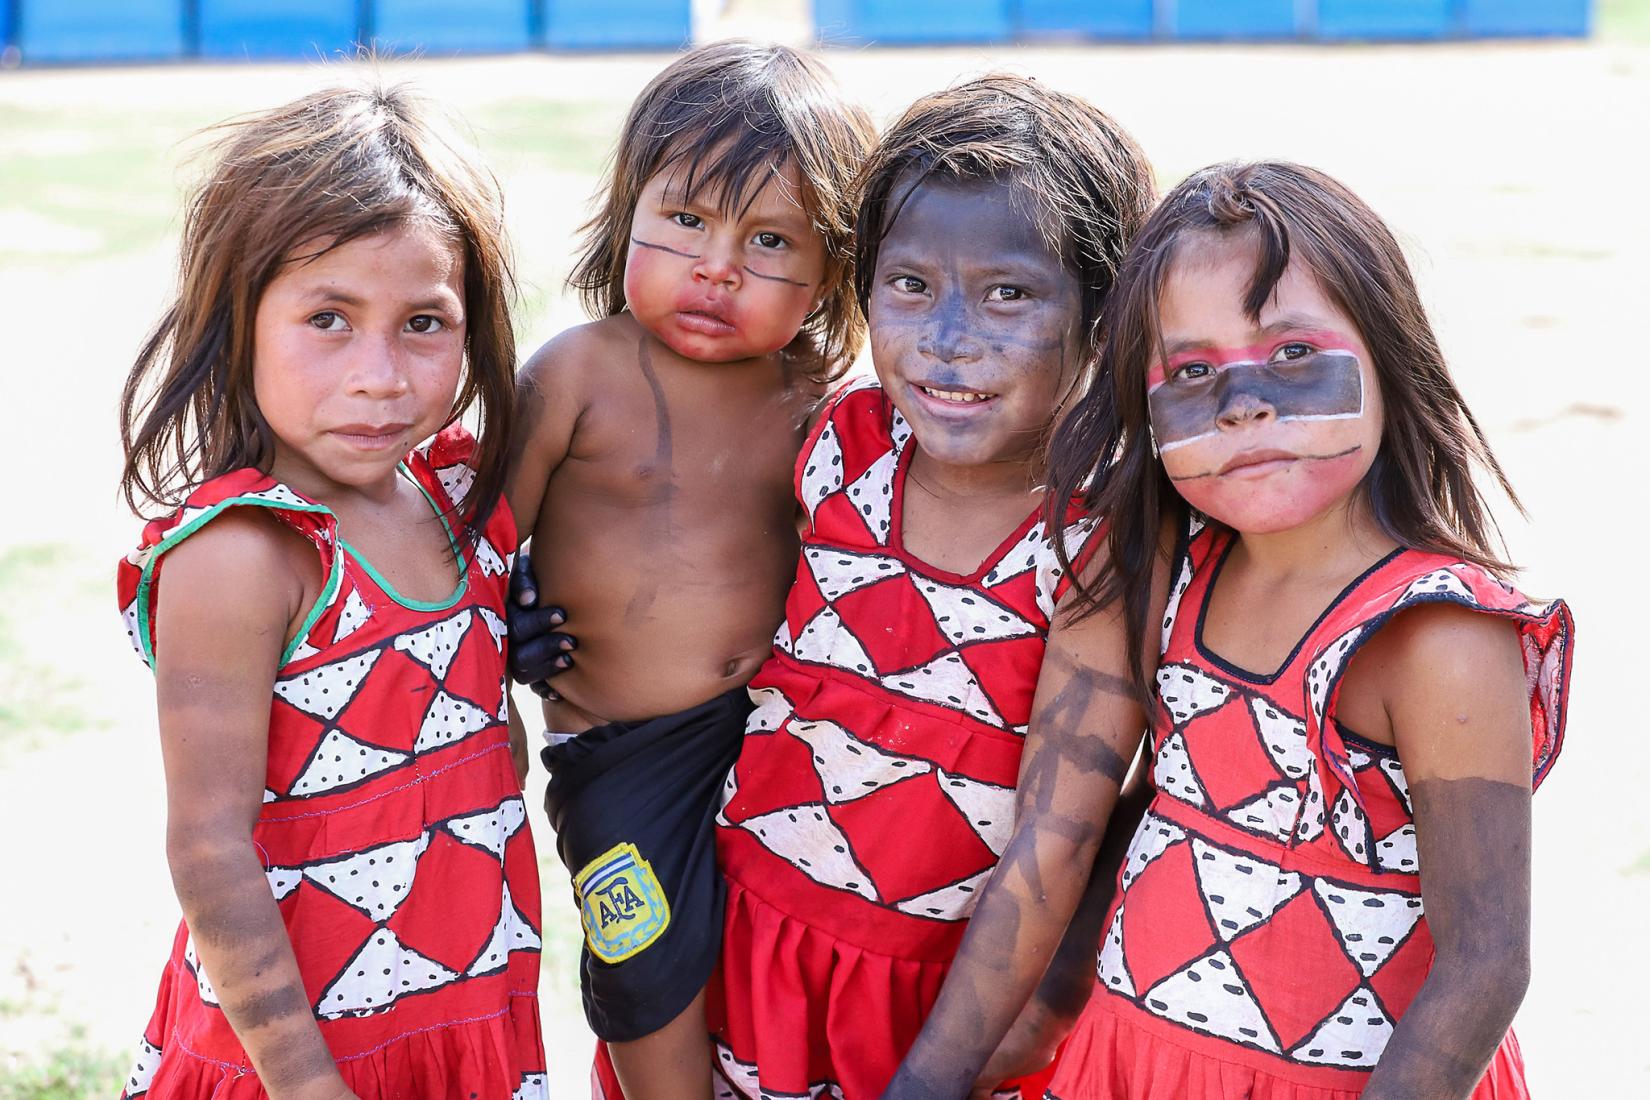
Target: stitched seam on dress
[(393, 790)]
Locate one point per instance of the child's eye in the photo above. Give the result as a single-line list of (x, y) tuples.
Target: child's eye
[(909, 284), (1006, 294), (1191, 372), (424, 323), (770, 240), (329, 320), (686, 220), (1293, 350)]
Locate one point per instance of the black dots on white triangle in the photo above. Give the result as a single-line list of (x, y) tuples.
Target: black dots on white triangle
[(849, 768), (512, 932), (130, 614), (456, 481), (1396, 851), (825, 640), (374, 881), (489, 830), (203, 985), (771, 710), (491, 564), (948, 682), (450, 719), (822, 472), (381, 973), (353, 615), (839, 572), (1172, 609), (1188, 691), (1394, 772), (1351, 828), (1326, 669), (143, 1070), (872, 495), (807, 839), (495, 627), (966, 614), (1370, 924), (341, 761), (1284, 737), (283, 880), (899, 430), (1112, 970), (1209, 995), (1240, 891), (280, 494), (1022, 557), (1173, 773), (1314, 814), (1353, 1036), (1152, 838), (741, 1075), (1272, 813), (988, 808), (534, 1086), (325, 691), (952, 902), (436, 645), (1439, 583)]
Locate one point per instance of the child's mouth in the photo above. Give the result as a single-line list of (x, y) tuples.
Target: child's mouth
[(701, 321), (956, 397)]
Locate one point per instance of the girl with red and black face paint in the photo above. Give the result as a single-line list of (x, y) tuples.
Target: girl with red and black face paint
[(1328, 896)]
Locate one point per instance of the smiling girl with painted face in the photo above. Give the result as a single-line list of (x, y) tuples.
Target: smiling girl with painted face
[(1329, 896), (876, 788)]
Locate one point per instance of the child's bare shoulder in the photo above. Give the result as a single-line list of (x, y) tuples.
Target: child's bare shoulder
[(569, 362)]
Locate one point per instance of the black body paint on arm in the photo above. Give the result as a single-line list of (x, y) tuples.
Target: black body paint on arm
[(1473, 836)]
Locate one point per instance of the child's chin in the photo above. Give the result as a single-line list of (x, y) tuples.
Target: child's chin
[(1262, 512)]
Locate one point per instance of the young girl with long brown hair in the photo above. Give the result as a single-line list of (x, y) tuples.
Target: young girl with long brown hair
[(1329, 895), (322, 603)]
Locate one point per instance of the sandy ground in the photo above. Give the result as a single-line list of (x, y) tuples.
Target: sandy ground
[(1511, 171)]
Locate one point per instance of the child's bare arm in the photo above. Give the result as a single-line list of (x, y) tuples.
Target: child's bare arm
[(226, 600), (1453, 685), (1086, 725)]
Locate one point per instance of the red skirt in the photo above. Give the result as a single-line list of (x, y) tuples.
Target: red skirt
[(1114, 1057)]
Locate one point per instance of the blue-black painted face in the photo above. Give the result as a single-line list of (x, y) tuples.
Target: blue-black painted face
[(975, 322)]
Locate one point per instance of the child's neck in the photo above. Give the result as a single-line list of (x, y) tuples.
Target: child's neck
[(982, 481), (1339, 541)]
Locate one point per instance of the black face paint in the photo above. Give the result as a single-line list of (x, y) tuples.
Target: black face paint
[(664, 248), (1325, 385), (774, 278)]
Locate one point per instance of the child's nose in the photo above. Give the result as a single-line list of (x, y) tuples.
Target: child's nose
[(378, 367), (1241, 408), (949, 338), (716, 265)]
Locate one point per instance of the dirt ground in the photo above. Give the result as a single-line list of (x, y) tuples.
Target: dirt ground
[(1512, 172)]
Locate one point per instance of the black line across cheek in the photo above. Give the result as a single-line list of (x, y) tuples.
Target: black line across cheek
[(664, 248), (777, 278), (1322, 385)]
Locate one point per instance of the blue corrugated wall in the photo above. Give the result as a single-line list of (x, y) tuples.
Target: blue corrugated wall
[(149, 30)]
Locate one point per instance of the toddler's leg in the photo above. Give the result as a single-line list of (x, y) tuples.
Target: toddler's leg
[(673, 1063)]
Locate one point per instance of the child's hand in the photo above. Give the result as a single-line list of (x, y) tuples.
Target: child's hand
[(536, 651)]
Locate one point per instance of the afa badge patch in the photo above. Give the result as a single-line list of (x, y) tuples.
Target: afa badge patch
[(621, 904)]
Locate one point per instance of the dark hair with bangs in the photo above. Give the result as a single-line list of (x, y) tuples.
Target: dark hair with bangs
[(1420, 488), (324, 170), (1087, 184), (728, 117)]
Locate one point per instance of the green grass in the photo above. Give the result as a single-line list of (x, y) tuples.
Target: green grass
[(68, 1068), (1622, 20)]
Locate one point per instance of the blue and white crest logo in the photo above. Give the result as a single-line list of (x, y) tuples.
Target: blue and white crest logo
[(621, 904)]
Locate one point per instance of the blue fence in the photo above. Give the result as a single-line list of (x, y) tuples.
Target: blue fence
[(150, 30), (153, 30), (937, 21)]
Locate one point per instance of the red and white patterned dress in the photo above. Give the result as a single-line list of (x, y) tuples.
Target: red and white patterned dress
[(1268, 931), (392, 833), (875, 790)]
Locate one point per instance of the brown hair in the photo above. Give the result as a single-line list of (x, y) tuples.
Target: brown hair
[(1087, 182), (1420, 488), (729, 116), (331, 167)]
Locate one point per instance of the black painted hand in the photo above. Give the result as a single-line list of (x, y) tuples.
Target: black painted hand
[(537, 650)]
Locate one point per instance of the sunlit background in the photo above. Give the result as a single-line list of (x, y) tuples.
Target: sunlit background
[(1505, 140)]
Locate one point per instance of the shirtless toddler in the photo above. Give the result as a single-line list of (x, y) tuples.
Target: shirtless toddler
[(653, 469)]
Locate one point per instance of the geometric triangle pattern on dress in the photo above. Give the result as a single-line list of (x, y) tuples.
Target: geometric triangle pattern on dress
[(1113, 969), (872, 495), (435, 646), (1209, 995), (1189, 692), (380, 973), (807, 839), (450, 719), (375, 880), (143, 1070), (488, 830), (1370, 924), (848, 767), (354, 615), (1354, 1035), (1152, 837), (340, 762), (823, 474), (512, 932), (1284, 736), (324, 691), (988, 808), (824, 640), (1240, 891), (1271, 813), (1173, 774), (967, 615), (952, 902), (947, 681), (839, 572)]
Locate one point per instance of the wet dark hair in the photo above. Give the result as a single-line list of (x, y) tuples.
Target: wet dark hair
[(327, 169), (728, 117), (1085, 181), (1420, 488)]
